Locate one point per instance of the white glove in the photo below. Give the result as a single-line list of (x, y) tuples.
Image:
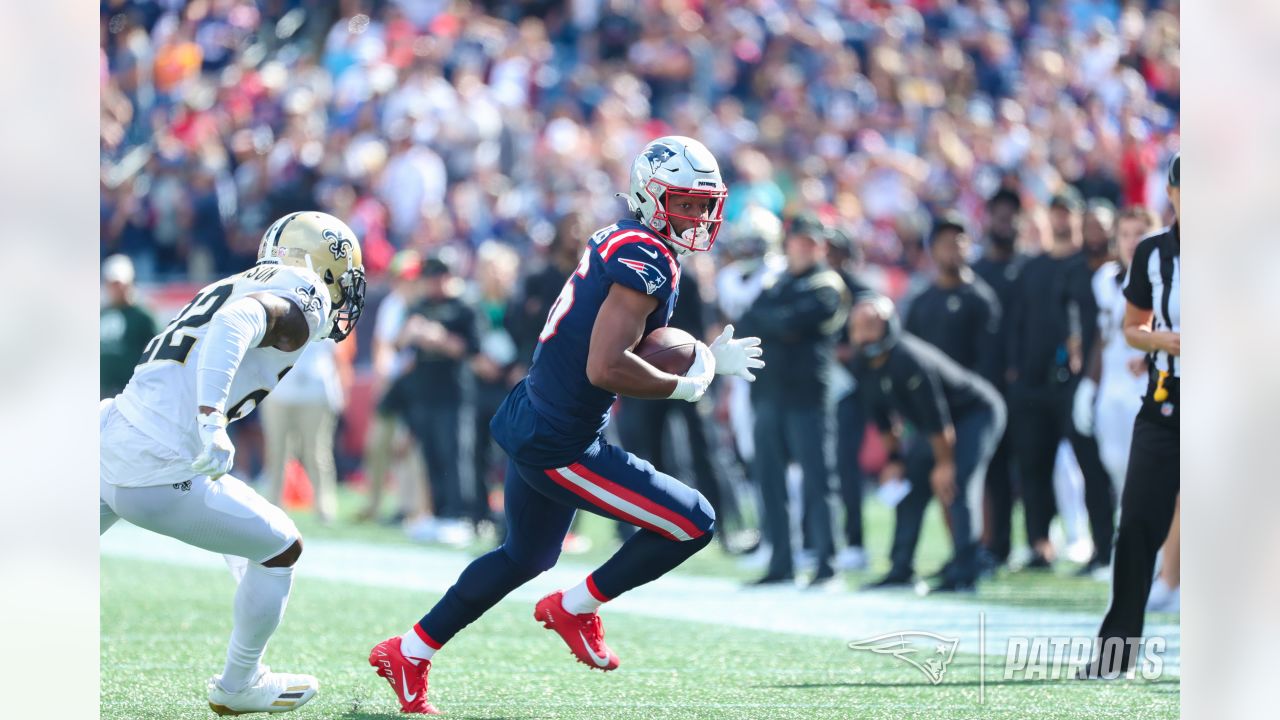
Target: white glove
[(691, 386), (1082, 406), (737, 357), (218, 455)]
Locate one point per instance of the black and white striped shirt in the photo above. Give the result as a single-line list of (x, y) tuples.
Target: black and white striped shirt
[(1155, 284)]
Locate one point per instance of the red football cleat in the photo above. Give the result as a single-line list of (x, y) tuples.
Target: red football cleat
[(582, 633), (409, 681)]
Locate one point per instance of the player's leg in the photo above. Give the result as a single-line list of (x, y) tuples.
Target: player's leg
[(107, 516), (226, 516), (536, 525), (674, 520)]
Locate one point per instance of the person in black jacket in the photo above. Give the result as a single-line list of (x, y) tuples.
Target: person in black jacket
[(959, 313), (798, 316), (1052, 329), (999, 267), (957, 418)]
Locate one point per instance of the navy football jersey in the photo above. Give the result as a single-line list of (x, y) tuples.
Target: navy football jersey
[(570, 411)]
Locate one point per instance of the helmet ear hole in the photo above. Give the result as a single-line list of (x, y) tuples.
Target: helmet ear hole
[(328, 276)]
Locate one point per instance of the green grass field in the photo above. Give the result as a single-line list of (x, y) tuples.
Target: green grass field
[(165, 625)]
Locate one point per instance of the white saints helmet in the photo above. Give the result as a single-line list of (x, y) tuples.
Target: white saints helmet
[(755, 233), (671, 168), (327, 247)]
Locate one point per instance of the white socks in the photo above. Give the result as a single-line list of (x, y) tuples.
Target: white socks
[(259, 605), (414, 649), (579, 600)]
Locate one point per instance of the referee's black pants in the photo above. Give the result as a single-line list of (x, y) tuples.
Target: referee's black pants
[(1151, 487), (1039, 419)]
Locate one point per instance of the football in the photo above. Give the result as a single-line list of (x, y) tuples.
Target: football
[(668, 349)]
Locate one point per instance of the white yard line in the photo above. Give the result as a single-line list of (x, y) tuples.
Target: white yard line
[(845, 616)]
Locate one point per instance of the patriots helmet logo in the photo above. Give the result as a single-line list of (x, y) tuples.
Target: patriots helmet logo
[(659, 154), (925, 651), (338, 245), (652, 276)]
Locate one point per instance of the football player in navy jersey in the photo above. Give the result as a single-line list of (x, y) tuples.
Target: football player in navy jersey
[(551, 423)]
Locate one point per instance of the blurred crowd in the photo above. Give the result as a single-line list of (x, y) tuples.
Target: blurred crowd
[(474, 147)]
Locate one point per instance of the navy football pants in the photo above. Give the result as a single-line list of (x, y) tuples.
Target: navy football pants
[(675, 522)]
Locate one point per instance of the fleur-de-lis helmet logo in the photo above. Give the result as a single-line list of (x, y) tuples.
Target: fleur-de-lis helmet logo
[(338, 245)]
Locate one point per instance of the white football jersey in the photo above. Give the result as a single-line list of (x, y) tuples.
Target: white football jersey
[(1116, 353), (160, 399)]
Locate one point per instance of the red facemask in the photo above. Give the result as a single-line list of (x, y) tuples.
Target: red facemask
[(702, 231)]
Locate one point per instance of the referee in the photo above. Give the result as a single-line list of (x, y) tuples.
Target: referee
[(1152, 323)]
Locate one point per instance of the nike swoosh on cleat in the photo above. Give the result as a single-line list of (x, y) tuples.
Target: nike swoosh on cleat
[(404, 683), (600, 661)]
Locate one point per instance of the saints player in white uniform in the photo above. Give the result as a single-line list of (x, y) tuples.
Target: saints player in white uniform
[(165, 449)]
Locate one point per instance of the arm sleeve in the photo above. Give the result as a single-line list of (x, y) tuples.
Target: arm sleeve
[(1137, 286), (233, 331)]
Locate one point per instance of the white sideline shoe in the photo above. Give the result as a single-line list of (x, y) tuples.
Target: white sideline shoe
[(268, 692)]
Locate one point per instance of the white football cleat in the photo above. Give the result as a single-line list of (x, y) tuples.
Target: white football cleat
[(268, 692)]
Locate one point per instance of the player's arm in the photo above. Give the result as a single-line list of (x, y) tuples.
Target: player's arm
[(610, 363), (257, 320)]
